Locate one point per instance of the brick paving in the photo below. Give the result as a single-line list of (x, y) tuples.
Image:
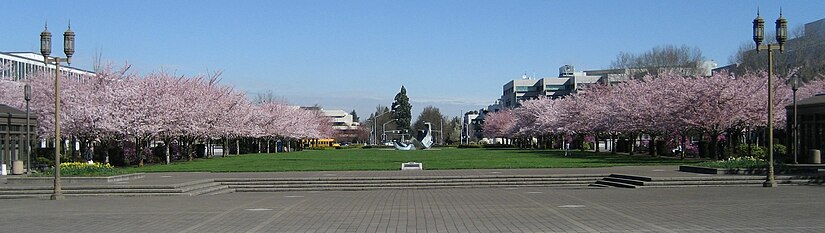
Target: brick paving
[(711, 209)]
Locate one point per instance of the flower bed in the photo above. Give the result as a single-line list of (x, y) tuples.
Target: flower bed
[(78, 169)]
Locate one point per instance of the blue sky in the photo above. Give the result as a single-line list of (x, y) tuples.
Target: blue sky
[(455, 55)]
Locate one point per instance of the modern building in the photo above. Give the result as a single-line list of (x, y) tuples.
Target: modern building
[(811, 130), (13, 136), (615, 76), (471, 126), (23, 64), (815, 28), (569, 81), (341, 120), (346, 128)]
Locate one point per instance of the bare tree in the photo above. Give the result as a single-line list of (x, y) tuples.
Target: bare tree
[(681, 59), (803, 53), (267, 97), (97, 61)]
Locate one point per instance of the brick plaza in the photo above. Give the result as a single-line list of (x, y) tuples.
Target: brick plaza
[(537, 209)]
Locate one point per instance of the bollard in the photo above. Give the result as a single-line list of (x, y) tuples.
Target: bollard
[(814, 157)]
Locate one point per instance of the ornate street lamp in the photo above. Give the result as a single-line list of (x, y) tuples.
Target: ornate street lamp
[(45, 50), (27, 95), (795, 87), (781, 37)]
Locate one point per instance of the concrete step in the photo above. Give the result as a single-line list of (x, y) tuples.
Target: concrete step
[(46, 196), (91, 191), (414, 184), (720, 177), (274, 182), (216, 188), (396, 188), (216, 191), (595, 185), (412, 177), (702, 182), (630, 177), (26, 196), (197, 186), (615, 184), (87, 187), (624, 180)]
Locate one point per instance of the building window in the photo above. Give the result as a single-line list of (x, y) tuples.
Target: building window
[(554, 87), (522, 88)]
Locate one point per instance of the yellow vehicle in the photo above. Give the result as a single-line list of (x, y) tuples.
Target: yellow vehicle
[(319, 142)]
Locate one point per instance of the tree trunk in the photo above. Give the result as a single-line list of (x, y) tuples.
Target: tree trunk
[(139, 150), (612, 144), (237, 146), (167, 143), (75, 156), (714, 140), (750, 144), (191, 152), (684, 147), (596, 142)]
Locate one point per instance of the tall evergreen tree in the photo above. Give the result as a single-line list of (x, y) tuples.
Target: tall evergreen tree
[(402, 107), (354, 116)]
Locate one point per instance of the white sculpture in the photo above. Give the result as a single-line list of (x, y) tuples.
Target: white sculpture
[(425, 142)]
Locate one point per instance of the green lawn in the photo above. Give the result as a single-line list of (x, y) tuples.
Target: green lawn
[(375, 159)]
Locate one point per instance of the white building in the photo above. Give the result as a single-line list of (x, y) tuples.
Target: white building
[(341, 120), (24, 64), (569, 81)]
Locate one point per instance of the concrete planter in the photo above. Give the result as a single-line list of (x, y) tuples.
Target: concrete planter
[(17, 167), (723, 171), (785, 169), (74, 180)]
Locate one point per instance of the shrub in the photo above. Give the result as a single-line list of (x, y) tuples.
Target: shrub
[(780, 150), (43, 160), (469, 146), (756, 151), (746, 162), (496, 146), (587, 146)]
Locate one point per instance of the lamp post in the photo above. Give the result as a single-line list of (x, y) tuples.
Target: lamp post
[(781, 37), (46, 50), (375, 125), (795, 87), (27, 95), (384, 130)]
